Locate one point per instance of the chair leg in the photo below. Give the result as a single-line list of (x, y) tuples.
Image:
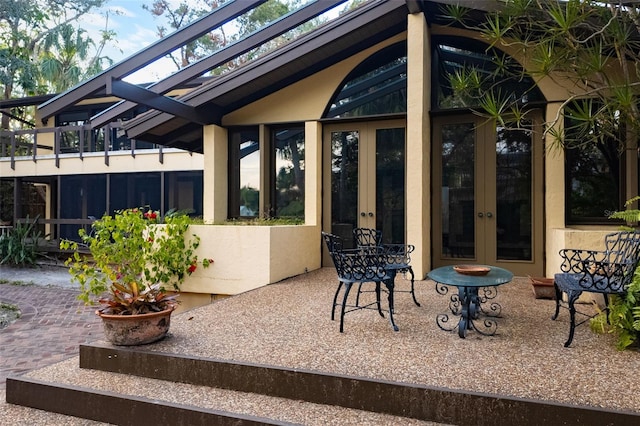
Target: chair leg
[(606, 306), (389, 283), (558, 299), (573, 297), (347, 288), (413, 292), (335, 299), (378, 291), (358, 295)]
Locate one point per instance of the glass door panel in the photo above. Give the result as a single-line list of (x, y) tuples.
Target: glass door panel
[(367, 179), (514, 194), (488, 196), (457, 237), (344, 183), (390, 184)]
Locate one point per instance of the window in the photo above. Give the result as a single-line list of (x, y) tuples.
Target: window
[(453, 57), (377, 86), (280, 170), (244, 173), (288, 162), (594, 174)]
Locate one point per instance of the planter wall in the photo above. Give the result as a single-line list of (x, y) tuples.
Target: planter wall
[(247, 257)]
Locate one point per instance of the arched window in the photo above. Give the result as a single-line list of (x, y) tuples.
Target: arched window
[(376, 86), (456, 59)]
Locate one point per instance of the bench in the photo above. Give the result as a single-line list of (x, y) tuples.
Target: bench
[(606, 272)]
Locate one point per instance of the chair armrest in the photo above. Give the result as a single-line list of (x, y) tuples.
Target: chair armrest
[(596, 272), (579, 261), (398, 254)]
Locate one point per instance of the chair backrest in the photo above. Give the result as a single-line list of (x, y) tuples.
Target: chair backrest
[(366, 237), (613, 272), (358, 265), (333, 242)]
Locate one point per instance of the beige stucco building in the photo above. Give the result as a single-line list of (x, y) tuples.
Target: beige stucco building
[(347, 126)]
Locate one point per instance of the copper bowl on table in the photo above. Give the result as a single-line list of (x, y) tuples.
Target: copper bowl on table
[(473, 270)]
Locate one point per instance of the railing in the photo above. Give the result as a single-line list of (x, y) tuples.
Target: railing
[(71, 140), (55, 233)]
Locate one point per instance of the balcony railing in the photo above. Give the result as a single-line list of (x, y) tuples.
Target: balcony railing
[(77, 140)]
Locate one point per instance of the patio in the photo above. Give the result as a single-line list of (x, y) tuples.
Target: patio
[(288, 324)]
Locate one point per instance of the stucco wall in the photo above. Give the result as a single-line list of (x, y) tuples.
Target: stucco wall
[(119, 162), (248, 257)]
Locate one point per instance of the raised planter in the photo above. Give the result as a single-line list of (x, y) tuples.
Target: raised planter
[(543, 288)]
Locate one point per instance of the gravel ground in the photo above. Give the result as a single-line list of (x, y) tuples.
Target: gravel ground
[(288, 324)]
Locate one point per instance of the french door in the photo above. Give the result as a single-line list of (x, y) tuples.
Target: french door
[(366, 177), (487, 194)]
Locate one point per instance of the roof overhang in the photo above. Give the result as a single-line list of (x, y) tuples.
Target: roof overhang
[(317, 50)]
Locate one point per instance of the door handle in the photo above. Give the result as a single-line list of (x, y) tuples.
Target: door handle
[(370, 214), (489, 214), (363, 214), (480, 214)]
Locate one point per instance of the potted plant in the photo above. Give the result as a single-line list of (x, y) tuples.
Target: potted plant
[(543, 288), (135, 270)]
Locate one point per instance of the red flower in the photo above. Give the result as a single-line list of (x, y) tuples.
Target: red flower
[(151, 215), (192, 268)]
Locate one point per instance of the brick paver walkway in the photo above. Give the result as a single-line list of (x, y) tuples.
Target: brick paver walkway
[(52, 326)]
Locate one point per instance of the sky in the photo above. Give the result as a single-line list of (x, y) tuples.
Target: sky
[(135, 28)]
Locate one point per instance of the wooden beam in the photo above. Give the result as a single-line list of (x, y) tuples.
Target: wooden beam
[(142, 96)]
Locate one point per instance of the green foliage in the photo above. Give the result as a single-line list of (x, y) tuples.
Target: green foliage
[(265, 221), (137, 261), (20, 246), (623, 315), (27, 25), (588, 47)]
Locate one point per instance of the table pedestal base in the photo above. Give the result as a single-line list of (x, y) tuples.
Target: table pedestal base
[(475, 309)]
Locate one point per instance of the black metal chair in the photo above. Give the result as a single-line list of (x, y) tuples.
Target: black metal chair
[(398, 256), (360, 265), (609, 271)]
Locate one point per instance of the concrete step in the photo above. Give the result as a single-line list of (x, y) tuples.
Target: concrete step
[(115, 398), (164, 388)]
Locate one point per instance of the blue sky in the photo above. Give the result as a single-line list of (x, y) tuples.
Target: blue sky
[(135, 28)]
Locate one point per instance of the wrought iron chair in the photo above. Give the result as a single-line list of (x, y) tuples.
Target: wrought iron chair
[(398, 256), (606, 272), (360, 266)]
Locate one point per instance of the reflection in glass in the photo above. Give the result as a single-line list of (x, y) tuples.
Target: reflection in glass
[(249, 178), (377, 86), (390, 184), (513, 194), (344, 184), (458, 190), (289, 172)]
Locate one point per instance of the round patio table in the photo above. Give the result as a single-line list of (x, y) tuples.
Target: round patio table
[(473, 302)]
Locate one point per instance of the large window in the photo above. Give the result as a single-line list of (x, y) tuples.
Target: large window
[(594, 174), (244, 172), (280, 170), (288, 164), (377, 86), (456, 57)]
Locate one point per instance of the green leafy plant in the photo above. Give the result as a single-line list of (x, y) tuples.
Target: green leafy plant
[(622, 317), (20, 246), (137, 264)]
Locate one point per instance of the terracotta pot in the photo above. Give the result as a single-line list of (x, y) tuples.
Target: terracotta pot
[(543, 288), (129, 330)]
